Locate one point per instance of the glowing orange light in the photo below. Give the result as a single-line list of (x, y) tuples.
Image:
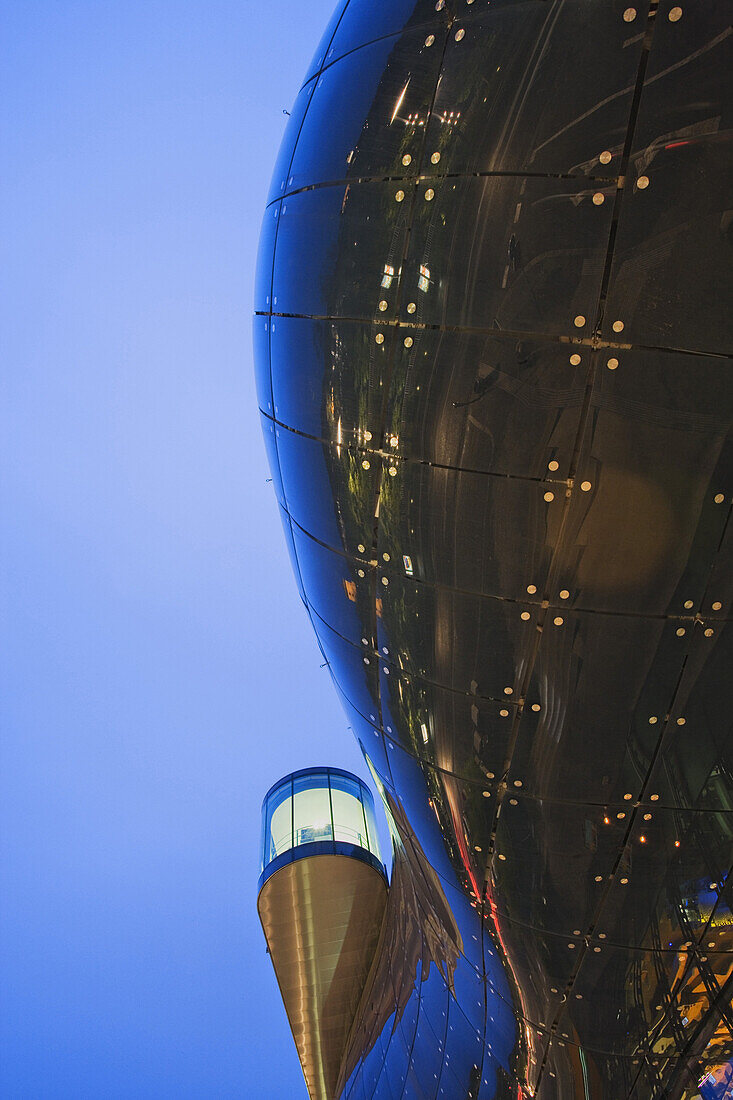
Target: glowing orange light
[(606, 821), (642, 839), (676, 843)]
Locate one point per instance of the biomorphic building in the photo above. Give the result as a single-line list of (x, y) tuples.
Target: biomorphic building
[(493, 335)]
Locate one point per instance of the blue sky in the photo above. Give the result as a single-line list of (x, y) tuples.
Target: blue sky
[(158, 670)]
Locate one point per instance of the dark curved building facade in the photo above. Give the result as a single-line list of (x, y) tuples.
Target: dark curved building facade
[(493, 334)]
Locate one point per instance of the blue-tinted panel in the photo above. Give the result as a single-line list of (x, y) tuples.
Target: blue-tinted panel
[(295, 121), (328, 379), (370, 103), (265, 254), (261, 347), (363, 23), (268, 433), (332, 248)]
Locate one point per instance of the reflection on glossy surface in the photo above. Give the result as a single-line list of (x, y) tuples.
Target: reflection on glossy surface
[(491, 344)]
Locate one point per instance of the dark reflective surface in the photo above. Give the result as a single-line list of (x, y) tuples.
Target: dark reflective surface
[(510, 100), (491, 352)]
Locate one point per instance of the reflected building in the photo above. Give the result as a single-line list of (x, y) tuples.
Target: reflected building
[(492, 336)]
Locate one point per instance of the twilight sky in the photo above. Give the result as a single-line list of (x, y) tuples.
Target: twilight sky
[(158, 670)]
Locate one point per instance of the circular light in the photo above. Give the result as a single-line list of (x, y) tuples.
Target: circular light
[(429, 194), (605, 157), (598, 198), (629, 15), (460, 34), (558, 620), (531, 588), (675, 15), (411, 307), (503, 713), (406, 159), (575, 359), (564, 594), (719, 498), (508, 691), (382, 305), (392, 471), (549, 496), (536, 707), (429, 40), (585, 486), (365, 463), (385, 581), (524, 615), (435, 157), (553, 465), (579, 321), (612, 364), (716, 606), (408, 341), (399, 196), (642, 183), (618, 326)]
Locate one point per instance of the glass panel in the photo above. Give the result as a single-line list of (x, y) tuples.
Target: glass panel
[(268, 433), (640, 538), (331, 491), (354, 672), (363, 23), (486, 402), (311, 808), (492, 535), (509, 101), (462, 733), (349, 824), (278, 183), (372, 828), (369, 104), (332, 249), (328, 378), (603, 713), (261, 346), (320, 55), (508, 252), (265, 252), (279, 822), (684, 98), (460, 641), (659, 290), (338, 588)]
